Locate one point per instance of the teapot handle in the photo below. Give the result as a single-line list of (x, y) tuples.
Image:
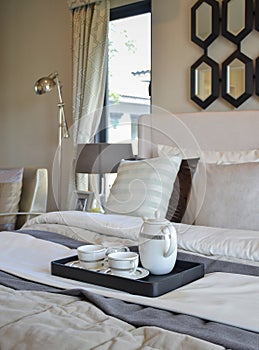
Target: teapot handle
[(170, 243)]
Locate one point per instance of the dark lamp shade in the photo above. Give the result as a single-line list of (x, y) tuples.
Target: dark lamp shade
[(101, 158)]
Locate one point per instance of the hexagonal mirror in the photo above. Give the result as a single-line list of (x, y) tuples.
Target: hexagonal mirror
[(204, 81), (205, 22), (237, 19), (237, 78), (203, 78), (236, 75)]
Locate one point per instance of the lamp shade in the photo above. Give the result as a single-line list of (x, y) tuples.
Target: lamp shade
[(44, 85), (101, 158)]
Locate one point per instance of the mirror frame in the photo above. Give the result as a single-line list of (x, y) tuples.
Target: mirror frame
[(257, 76), (249, 78), (257, 15), (215, 23), (214, 84), (236, 39)]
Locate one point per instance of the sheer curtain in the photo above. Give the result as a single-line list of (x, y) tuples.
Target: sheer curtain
[(90, 20), (90, 47)]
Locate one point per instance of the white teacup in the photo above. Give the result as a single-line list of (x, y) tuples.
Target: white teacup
[(123, 263), (91, 253)]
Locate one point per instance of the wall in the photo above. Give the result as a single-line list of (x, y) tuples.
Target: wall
[(35, 39), (173, 53)]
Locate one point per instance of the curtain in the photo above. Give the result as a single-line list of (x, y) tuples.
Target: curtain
[(90, 20), (90, 47), (72, 4)]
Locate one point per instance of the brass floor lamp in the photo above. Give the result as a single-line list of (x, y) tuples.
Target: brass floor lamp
[(46, 84)]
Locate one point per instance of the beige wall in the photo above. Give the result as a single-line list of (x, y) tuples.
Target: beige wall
[(35, 39)]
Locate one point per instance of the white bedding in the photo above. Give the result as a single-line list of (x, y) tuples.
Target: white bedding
[(237, 245), (96, 228), (216, 292), (30, 258)]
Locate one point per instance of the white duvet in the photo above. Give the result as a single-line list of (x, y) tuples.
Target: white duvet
[(229, 244)]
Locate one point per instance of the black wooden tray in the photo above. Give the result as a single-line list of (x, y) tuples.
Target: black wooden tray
[(151, 286)]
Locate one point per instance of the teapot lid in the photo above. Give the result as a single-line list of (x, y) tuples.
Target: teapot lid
[(157, 220)]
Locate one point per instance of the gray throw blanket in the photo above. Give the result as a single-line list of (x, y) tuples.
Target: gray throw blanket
[(138, 315)]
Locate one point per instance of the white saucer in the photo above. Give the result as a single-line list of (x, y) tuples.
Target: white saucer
[(78, 265), (75, 263), (140, 273)]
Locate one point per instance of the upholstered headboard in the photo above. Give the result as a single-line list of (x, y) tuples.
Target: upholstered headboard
[(233, 130)]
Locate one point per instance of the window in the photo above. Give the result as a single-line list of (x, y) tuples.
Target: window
[(128, 77)]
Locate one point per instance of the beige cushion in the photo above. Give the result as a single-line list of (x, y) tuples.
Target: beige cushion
[(208, 156), (231, 199), (200, 177), (143, 187), (10, 192), (199, 183)]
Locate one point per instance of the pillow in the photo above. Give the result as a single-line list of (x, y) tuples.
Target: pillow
[(181, 190), (143, 187), (10, 192), (231, 199), (219, 157), (199, 179), (182, 186)]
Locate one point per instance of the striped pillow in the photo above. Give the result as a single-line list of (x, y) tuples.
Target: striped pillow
[(143, 187), (10, 192)]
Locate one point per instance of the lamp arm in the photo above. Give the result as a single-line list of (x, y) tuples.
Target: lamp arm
[(63, 122)]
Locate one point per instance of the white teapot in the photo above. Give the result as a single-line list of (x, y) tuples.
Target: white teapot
[(157, 245)]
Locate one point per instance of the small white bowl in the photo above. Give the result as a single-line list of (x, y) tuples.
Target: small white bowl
[(91, 252)]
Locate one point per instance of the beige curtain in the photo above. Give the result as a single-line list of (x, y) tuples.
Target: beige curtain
[(90, 20), (90, 47), (72, 4)]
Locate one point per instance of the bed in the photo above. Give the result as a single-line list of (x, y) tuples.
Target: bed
[(216, 224)]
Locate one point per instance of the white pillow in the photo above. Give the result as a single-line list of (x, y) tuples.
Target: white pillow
[(143, 187), (231, 198), (219, 157)]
